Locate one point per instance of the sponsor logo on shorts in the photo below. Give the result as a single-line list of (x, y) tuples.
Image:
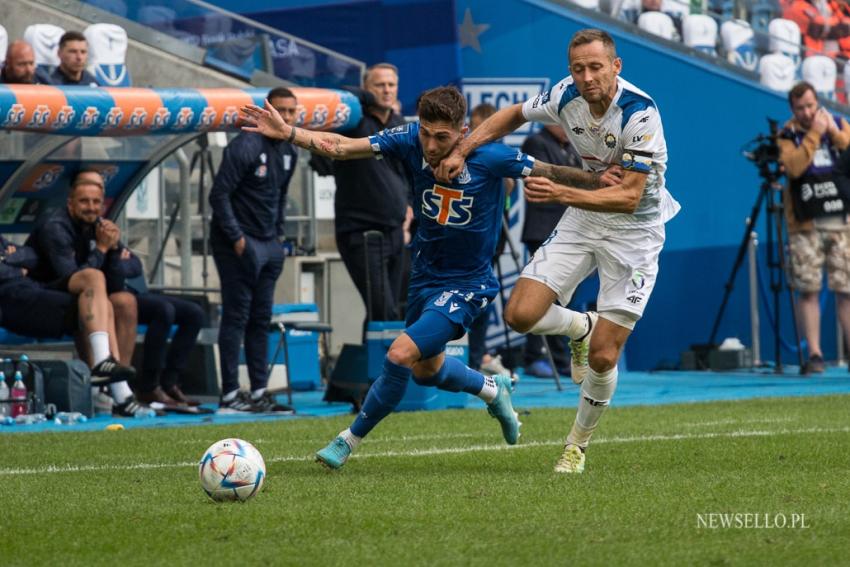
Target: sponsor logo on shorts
[(443, 299)]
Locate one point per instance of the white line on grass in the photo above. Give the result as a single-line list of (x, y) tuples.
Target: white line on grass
[(733, 421), (51, 469)]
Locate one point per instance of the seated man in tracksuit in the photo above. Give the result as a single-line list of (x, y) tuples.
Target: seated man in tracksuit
[(163, 365), (74, 240), (32, 310), (248, 200)]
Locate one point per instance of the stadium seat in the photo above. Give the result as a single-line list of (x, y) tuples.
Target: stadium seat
[(657, 23), (785, 38), (739, 44), (4, 45), (676, 9), (700, 32), (820, 71), (44, 39), (777, 72), (588, 4), (107, 53)]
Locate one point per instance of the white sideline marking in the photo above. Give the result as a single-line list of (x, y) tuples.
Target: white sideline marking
[(51, 469), (733, 421)]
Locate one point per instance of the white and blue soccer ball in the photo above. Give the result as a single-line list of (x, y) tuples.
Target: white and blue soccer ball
[(232, 469)]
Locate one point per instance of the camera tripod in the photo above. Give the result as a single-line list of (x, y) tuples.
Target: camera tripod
[(776, 260)]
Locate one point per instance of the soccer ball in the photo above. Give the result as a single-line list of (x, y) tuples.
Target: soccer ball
[(232, 469)]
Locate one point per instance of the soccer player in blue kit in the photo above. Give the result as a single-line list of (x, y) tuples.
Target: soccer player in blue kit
[(452, 279)]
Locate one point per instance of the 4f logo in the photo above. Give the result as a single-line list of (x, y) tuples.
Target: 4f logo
[(320, 116), (447, 206), (15, 116), (89, 118), (40, 117)]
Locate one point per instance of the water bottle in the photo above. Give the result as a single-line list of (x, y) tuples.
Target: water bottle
[(19, 395), (6, 420), (5, 410), (101, 401), (30, 418), (69, 418)]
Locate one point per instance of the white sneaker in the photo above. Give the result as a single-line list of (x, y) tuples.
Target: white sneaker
[(572, 461), (495, 367), (580, 350)]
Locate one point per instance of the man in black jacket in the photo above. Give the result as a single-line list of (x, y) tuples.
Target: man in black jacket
[(248, 200), (549, 145), (373, 195)]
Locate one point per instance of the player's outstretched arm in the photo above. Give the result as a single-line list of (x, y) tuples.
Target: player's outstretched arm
[(575, 177), (497, 126), (621, 198), (268, 122)]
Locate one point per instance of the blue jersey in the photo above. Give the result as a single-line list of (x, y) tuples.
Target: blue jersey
[(459, 223)]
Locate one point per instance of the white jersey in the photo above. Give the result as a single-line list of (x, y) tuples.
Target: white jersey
[(630, 134)]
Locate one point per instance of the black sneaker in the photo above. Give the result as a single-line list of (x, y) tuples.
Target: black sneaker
[(267, 404), (815, 365), (133, 408), (110, 370), (240, 404)]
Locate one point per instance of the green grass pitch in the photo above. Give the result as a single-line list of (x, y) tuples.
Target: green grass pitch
[(440, 488)]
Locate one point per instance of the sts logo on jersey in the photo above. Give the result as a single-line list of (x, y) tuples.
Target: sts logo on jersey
[(447, 206)]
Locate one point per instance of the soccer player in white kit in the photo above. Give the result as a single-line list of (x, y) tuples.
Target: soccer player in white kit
[(617, 230)]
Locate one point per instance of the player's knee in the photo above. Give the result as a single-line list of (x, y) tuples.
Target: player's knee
[(125, 305), (401, 354), (91, 278), (518, 318), (604, 359)]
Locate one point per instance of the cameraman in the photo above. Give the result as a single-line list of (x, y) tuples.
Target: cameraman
[(816, 211)]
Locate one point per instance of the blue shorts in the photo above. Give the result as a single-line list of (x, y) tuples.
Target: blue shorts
[(460, 304)]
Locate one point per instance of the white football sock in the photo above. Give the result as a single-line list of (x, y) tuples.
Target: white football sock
[(258, 393), (229, 396), (99, 341), (350, 438), (488, 390), (596, 392), (561, 321), (120, 392)]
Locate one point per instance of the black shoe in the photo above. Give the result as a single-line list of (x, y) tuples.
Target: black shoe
[(815, 365), (110, 370), (267, 404), (240, 404), (133, 408)]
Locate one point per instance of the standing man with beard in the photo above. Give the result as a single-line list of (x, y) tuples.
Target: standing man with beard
[(617, 230)]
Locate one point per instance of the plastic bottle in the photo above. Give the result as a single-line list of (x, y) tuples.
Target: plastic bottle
[(69, 418), (145, 414), (30, 418), (5, 408), (19, 395), (102, 402)]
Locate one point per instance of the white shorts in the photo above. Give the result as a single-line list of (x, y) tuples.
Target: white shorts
[(627, 260)]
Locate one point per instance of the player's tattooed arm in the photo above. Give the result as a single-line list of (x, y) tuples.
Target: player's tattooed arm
[(569, 176), (268, 122)]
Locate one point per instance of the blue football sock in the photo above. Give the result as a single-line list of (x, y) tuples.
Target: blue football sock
[(383, 397), (455, 376)]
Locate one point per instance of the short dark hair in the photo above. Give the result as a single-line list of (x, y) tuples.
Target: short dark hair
[(280, 92), (582, 37), (798, 90), (485, 110), (77, 181), (442, 104), (72, 35)]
